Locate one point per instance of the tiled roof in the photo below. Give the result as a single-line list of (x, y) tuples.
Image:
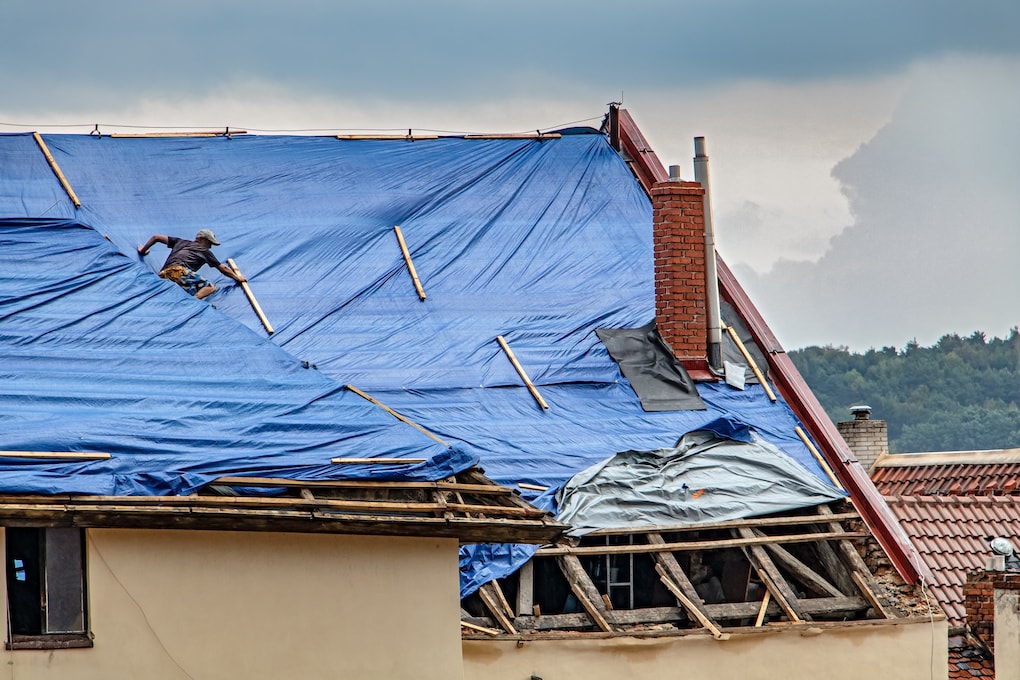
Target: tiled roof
[(958, 473), (950, 533), (968, 661)]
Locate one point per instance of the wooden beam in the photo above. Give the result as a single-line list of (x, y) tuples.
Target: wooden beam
[(409, 263), (692, 608), (51, 455), (784, 520), (763, 610), (396, 415), (859, 571), (526, 588), (251, 298), (750, 362), (818, 457), (492, 632), (773, 579), (56, 169), (715, 544), (668, 563), (585, 591), (520, 371), (807, 576), (494, 606)]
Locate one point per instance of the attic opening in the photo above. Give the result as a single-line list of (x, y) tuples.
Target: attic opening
[(777, 570)]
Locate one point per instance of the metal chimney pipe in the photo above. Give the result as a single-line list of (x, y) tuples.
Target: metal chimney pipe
[(711, 272)]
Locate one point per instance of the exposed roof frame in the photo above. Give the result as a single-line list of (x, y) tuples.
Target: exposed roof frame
[(649, 169)]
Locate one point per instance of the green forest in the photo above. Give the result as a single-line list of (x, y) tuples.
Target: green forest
[(960, 394)]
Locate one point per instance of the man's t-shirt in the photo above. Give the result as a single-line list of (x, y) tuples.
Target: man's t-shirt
[(190, 254)]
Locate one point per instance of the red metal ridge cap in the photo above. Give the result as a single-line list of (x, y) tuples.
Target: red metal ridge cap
[(798, 395)]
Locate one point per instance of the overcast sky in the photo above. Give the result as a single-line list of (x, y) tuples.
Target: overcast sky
[(865, 156)]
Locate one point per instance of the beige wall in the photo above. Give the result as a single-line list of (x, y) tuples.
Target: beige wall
[(904, 651), (1007, 629), (209, 605)]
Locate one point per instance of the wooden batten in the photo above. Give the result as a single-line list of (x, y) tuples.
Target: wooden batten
[(56, 169)]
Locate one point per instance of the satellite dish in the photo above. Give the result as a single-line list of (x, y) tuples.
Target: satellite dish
[(1001, 546)]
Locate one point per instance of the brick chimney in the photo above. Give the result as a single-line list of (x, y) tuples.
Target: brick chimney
[(678, 230), (867, 438), (991, 599)]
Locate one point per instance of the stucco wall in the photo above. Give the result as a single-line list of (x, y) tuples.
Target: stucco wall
[(209, 605), (905, 651)]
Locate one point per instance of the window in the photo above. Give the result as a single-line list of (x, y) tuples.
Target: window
[(46, 588)]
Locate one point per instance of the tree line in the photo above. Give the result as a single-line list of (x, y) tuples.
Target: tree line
[(960, 394)]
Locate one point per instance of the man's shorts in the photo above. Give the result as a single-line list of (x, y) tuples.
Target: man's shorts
[(185, 278)]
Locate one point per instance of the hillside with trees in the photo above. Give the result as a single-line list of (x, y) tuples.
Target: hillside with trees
[(962, 393)]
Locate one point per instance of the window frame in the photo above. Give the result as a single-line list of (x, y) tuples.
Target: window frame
[(35, 562)]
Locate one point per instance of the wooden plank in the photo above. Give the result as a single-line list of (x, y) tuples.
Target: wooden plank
[(692, 608), (532, 487), (676, 573), (526, 588), (693, 545), (396, 415), (733, 611), (773, 579), (807, 576), (251, 298), (377, 461), (786, 520), (493, 604), (763, 610), (585, 591), (750, 362), (520, 371), (491, 488), (872, 597), (51, 455), (410, 265), (56, 169), (859, 571), (818, 457), (492, 632)]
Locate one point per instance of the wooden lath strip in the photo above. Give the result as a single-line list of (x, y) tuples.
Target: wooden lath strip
[(251, 298), (227, 132), (818, 457), (56, 455), (396, 415), (517, 135), (750, 362), (377, 461), (491, 632), (409, 263), (56, 169), (731, 524), (483, 489), (676, 580), (713, 544), (520, 371), (763, 610)]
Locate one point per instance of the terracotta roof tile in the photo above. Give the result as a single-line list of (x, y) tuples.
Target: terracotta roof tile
[(950, 533)]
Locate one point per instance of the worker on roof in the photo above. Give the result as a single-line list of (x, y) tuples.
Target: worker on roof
[(186, 258)]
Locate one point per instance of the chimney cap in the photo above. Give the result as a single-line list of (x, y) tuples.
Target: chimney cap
[(861, 412)]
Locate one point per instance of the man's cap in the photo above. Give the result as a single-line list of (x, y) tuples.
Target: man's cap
[(208, 235)]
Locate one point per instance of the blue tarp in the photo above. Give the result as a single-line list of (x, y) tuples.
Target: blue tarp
[(540, 242)]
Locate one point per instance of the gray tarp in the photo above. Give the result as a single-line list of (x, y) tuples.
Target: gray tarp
[(705, 478)]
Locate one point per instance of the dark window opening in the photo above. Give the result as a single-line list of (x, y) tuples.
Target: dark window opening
[(46, 587)]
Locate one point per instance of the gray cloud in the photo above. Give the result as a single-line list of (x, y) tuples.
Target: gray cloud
[(936, 235), (106, 49)]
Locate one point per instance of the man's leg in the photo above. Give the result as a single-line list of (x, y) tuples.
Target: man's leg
[(206, 291)]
